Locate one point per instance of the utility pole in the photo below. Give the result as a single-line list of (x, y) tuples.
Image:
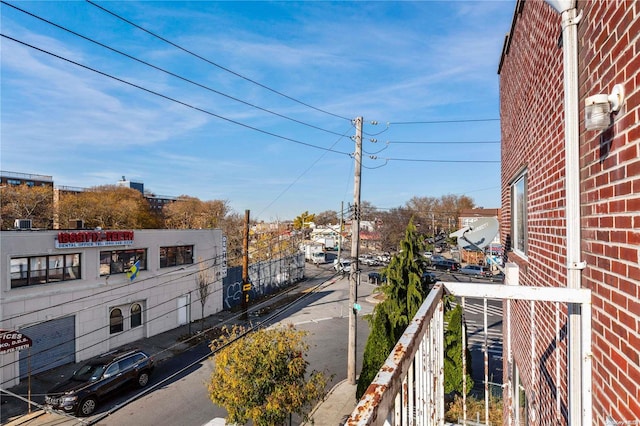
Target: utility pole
[(246, 285), (340, 231), (355, 248)]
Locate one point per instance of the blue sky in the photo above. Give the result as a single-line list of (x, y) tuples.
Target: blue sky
[(252, 102)]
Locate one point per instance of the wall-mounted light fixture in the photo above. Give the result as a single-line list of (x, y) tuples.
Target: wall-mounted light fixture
[(598, 108)]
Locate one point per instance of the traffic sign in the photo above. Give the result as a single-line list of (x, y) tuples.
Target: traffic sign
[(246, 287)]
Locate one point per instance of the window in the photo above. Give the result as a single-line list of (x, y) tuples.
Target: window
[(116, 322), (112, 370), (35, 270), (120, 261), (519, 214), (136, 315), (177, 255)]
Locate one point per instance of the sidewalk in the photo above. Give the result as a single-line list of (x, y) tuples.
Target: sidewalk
[(336, 407)]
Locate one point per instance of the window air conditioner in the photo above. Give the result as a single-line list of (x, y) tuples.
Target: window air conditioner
[(22, 223)]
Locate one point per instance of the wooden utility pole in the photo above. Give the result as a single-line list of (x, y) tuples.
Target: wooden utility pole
[(340, 232), (354, 273), (246, 285)]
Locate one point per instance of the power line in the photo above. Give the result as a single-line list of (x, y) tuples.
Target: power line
[(302, 174), (443, 142), (173, 99), (373, 157), (445, 121), (213, 63), (167, 71)]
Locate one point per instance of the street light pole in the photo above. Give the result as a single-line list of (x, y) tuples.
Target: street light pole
[(355, 248)]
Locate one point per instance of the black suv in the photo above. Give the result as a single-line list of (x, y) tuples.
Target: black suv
[(99, 378), (446, 265)]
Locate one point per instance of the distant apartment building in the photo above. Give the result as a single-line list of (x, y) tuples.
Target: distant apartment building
[(14, 178), (569, 108), (78, 293)]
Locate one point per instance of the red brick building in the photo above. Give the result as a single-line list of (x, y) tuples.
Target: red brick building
[(571, 203)]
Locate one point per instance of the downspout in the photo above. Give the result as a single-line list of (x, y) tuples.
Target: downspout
[(579, 373)]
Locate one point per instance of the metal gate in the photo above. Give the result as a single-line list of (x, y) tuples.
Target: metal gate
[(54, 344)]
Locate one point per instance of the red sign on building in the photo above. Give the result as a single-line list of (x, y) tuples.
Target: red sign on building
[(11, 341)]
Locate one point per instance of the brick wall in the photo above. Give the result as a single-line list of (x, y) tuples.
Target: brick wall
[(531, 98), (609, 40), (532, 118)]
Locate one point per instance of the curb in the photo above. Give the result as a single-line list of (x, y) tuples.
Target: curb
[(319, 404)]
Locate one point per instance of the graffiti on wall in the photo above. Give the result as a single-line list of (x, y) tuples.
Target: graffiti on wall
[(266, 278)]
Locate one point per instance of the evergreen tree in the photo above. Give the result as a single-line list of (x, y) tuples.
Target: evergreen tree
[(453, 353), (404, 293)]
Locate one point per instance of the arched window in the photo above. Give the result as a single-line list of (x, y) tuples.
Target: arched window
[(136, 315), (116, 321)]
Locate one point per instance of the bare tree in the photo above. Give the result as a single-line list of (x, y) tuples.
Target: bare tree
[(203, 280), (25, 202)]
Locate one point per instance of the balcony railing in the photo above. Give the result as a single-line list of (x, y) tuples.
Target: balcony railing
[(409, 388)]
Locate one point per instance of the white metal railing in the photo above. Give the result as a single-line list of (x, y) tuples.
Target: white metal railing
[(409, 388), (411, 381)]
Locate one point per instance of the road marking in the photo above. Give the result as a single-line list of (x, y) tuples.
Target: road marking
[(314, 320)]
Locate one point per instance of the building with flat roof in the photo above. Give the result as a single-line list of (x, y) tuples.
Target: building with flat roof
[(15, 178), (79, 293)]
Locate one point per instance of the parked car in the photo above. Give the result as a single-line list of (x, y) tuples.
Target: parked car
[(376, 278), (98, 379), (446, 265), (343, 266), (475, 271), (497, 277), (429, 277)]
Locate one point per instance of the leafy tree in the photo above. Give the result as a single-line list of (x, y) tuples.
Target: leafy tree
[(26, 202), (404, 293), (328, 217), (392, 228), (232, 226), (191, 213), (269, 241), (453, 336), (368, 211), (436, 214), (262, 376), (109, 207), (301, 222)]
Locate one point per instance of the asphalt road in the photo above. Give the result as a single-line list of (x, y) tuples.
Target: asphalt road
[(184, 400)]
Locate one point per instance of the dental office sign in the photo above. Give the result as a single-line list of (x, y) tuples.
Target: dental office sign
[(11, 341), (93, 239)]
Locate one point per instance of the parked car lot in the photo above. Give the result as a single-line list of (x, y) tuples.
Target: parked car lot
[(98, 379)]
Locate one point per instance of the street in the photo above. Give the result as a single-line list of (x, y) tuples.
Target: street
[(184, 399)]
